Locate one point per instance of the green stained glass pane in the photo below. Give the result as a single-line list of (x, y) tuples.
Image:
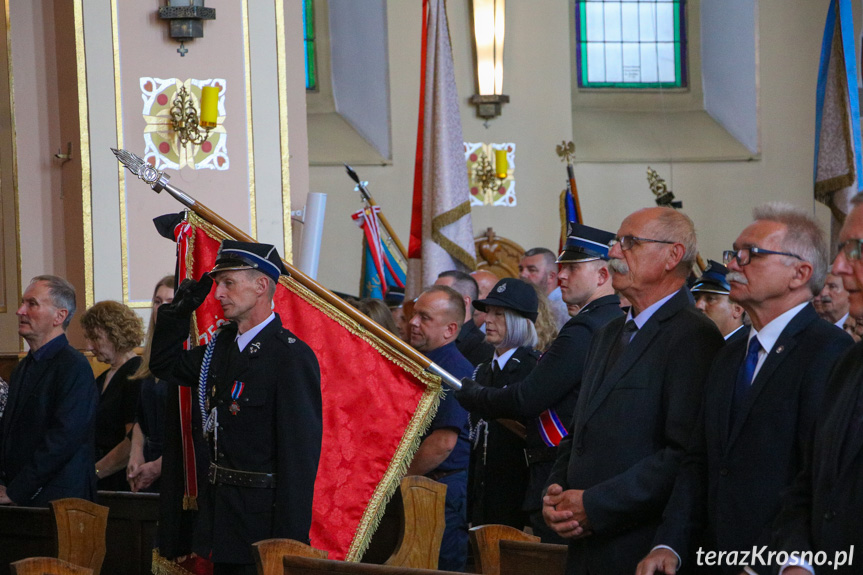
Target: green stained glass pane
[(631, 43), (309, 43)]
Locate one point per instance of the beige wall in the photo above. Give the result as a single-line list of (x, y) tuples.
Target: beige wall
[(718, 195)]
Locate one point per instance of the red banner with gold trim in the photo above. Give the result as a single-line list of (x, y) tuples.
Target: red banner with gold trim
[(376, 401)]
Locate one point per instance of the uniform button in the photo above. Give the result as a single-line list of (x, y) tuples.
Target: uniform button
[(723, 472), (221, 454)]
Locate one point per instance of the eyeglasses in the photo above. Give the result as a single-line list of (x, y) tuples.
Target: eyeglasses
[(852, 248), (744, 255), (626, 242)]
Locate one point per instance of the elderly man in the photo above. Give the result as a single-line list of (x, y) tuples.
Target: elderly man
[(761, 399), (538, 267), (261, 401), (46, 433), (444, 453), (470, 340), (548, 395), (639, 400), (834, 301), (822, 511)]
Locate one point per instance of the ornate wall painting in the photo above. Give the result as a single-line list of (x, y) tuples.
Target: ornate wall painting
[(162, 147)]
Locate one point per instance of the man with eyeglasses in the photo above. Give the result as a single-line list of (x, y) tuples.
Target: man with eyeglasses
[(639, 400), (823, 508), (760, 399)]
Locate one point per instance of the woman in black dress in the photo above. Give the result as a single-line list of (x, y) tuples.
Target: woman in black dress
[(500, 471), (148, 433), (113, 331)]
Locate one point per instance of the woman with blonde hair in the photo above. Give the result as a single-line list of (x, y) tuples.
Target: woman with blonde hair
[(546, 323), (148, 432), (113, 331)]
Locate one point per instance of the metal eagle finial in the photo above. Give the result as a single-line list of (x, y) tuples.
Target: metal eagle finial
[(156, 179)]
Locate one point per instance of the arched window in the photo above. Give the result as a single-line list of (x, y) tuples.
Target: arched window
[(631, 43)]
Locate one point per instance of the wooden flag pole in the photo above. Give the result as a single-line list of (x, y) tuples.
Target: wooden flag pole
[(158, 181)]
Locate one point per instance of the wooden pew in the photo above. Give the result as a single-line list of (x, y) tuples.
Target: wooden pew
[(269, 552), (484, 540), (411, 529), (311, 566), (47, 566), (80, 527), (30, 532), (523, 557)]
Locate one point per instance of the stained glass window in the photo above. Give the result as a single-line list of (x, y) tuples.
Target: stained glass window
[(631, 43), (309, 44)]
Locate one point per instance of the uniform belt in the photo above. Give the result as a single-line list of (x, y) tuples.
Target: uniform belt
[(540, 454), (438, 475), (224, 476)]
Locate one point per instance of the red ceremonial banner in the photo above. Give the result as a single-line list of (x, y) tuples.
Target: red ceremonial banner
[(376, 401)]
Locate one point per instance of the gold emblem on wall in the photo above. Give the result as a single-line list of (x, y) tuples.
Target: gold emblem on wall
[(163, 149)]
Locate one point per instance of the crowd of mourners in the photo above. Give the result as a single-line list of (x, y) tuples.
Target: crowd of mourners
[(654, 412)]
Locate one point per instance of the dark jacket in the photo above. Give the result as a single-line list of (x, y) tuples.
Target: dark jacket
[(46, 433), (733, 477), (822, 510), (500, 471), (632, 422), (276, 429), (554, 384)]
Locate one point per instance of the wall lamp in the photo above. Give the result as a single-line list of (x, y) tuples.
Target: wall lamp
[(186, 120), (186, 20), (488, 30)]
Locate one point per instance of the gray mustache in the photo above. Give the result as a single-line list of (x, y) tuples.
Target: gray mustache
[(737, 277), (618, 266)]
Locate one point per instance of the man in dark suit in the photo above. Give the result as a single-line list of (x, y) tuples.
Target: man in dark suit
[(822, 511), (261, 402), (638, 403), (759, 408), (470, 340), (46, 433), (548, 395)]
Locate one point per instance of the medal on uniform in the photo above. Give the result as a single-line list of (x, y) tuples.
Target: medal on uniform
[(236, 392)]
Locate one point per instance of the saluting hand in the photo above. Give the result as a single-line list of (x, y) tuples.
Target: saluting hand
[(190, 295)]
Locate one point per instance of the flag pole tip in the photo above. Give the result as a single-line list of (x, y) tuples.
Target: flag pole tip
[(352, 173)]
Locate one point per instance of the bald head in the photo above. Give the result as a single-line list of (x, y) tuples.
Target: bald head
[(485, 280)]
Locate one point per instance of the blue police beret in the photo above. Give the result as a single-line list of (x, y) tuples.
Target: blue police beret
[(712, 280), (584, 244), (234, 255)]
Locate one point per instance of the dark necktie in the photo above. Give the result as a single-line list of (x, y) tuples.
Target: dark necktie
[(626, 336), (744, 377)]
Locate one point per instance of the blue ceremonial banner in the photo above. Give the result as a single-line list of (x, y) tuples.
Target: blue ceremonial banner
[(394, 273), (382, 268), (838, 160)]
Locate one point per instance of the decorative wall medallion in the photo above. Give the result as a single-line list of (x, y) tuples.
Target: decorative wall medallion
[(162, 148), (487, 188)]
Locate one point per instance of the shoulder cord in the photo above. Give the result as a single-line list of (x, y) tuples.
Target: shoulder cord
[(208, 420)]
